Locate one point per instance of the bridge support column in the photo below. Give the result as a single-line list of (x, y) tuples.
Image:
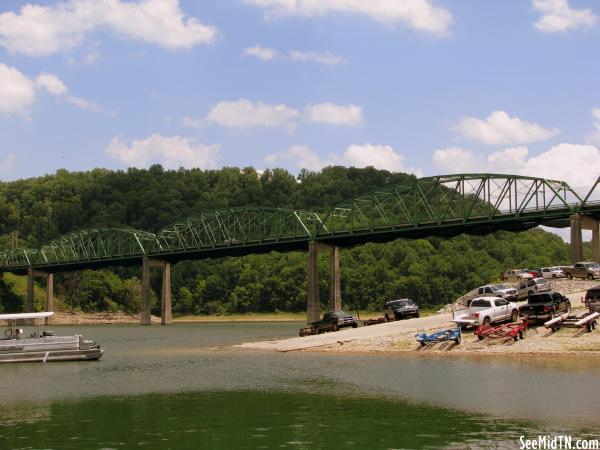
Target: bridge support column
[(30, 305), (576, 240), (313, 309), (166, 313), (145, 313), (335, 282), (596, 242), (49, 294)]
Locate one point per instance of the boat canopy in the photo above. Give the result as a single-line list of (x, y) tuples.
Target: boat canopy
[(21, 316)]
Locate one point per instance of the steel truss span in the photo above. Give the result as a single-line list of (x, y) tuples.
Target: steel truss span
[(445, 205)]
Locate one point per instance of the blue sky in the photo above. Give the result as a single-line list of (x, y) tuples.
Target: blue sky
[(422, 86)]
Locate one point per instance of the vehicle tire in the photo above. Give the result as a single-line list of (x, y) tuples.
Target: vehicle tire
[(590, 276), (480, 337), (334, 326), (457, 340), (529, 293), (569, 276), (553, 275), (417, 315), (487, 321), (386, 318), (422, 343), (589, 327), (569, 307), (516, 337), (593, 325), (354, 325), (514, 316), (522, 334)]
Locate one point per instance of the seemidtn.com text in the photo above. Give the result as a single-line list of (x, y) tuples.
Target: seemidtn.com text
[(558, 442)]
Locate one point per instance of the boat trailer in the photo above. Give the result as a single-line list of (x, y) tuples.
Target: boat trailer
[(586, 320), (450, 334), (513, 330)]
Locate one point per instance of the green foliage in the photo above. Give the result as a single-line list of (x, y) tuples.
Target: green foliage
[(432, 271)]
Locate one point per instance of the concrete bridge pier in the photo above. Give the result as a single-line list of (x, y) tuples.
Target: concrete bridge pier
[(30, 303), (313, 311), (166, 310), (581, 222)]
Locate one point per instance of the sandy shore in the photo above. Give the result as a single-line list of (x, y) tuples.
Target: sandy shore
[(69, 318), (400, 337)]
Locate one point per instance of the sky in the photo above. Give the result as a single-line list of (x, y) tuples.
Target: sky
[(421, 86)]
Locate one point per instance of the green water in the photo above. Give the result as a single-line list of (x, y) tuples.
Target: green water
[(184, 386)]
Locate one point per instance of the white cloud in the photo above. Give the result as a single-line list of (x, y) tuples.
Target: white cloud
[(300, 156), (455, 160), (559, 17), (83, 103), (260, 52), (171, 152), (51, 83), (17, 92), (379, 156), (334, 114), (500, 129), (191, 122), (245, 114), (43, 30), (321, 58), (578, 165), (594, 137), (421, 15), (8, 164)]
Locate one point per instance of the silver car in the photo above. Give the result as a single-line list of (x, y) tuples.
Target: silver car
[(529, 287)]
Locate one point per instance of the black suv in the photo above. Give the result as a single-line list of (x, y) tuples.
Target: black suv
[(400, 309), (333, 321)]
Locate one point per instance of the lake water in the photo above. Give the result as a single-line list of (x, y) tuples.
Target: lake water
[(184, 386)]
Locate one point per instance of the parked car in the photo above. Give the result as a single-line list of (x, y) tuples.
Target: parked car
[(535, 273), (400, 309), (516, 275), (333, 321), (592, 299), (589, 270), (486, 310), (497, 290), (552, 272), (544, 306), (530, 287)]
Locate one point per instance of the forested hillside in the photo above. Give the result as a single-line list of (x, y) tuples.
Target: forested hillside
[(433, 271)]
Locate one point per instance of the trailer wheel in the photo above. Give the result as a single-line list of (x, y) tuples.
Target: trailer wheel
[(516, 337), (589, 327), (422, 343), (457, 340), (480, 337), (522, 334)]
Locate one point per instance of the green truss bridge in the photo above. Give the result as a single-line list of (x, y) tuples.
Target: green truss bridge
[(444, 206)]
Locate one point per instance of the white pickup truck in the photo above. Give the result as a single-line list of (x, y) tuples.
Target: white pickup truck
[(486, 310)]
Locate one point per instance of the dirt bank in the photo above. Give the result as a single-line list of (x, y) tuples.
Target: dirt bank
[(68, 318)]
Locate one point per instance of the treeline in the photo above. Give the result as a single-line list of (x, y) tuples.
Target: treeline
[(433, 271)]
